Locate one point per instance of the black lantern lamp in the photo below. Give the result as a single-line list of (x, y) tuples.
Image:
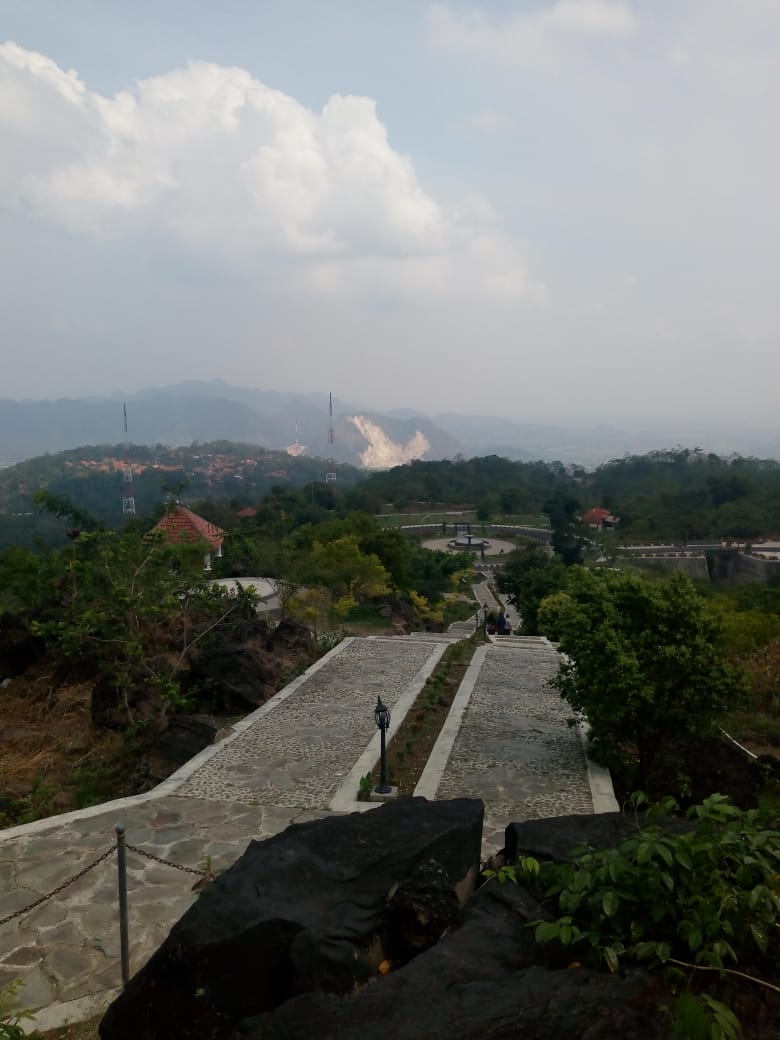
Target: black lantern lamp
[(382, 719)]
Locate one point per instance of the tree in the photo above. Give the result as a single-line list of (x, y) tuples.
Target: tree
[(346, 571), (643, 662), (568, 539), (528, 578), (128, 603)]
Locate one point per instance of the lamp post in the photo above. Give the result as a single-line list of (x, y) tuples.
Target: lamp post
[(382, 719)]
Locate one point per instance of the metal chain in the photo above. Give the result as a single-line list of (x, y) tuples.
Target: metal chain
[(208, 874), (177, 866), (56, 891)]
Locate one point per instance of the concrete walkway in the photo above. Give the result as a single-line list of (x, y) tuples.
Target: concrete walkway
[(298, 757), (285, 763), (508, 742)]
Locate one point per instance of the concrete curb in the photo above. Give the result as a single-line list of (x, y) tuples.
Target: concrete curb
[(428, 783), (55, 1016), (344, 800), (170, 785), (599, 779)]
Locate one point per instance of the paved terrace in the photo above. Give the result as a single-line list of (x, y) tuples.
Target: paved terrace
[(296, 758)]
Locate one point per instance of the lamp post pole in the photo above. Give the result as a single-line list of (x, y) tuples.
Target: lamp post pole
[(382, 719)]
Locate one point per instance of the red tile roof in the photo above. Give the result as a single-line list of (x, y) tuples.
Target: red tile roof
[(597, 516), (247, 511), (182, 525)]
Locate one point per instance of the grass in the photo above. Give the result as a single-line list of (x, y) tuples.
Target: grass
[(412, 743), (458, 610), (444, 517), (363, 617)]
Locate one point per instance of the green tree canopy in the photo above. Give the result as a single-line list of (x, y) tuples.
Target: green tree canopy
[(529, 577), (644, 663)]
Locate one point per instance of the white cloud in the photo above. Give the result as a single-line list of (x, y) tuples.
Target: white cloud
[(478, 32), (221, 161)]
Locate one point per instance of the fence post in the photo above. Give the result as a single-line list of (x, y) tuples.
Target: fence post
[(121, 859)]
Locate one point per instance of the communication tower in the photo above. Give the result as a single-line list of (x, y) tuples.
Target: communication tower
[(128, 498), (330, 476)]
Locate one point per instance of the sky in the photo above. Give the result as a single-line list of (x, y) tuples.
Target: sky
[(553, 210)]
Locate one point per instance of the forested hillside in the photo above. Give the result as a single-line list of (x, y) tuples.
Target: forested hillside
[(676, 495), (91, 477)]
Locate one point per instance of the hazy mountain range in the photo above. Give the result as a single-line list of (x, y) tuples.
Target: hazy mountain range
[(207, 411)]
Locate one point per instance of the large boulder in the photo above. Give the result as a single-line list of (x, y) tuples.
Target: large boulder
[(312, 909), (557, 837), (239, 667), (485, 980), (19, 647)]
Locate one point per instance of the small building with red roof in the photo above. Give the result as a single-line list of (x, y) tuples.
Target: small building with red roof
[(600, 519), (182, 525)]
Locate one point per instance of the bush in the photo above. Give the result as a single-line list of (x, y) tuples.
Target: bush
[(702, 899)]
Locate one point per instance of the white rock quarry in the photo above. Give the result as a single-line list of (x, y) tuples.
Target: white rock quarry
[(382, 452)]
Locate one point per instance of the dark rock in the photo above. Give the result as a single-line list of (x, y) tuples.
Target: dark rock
[(422, 909), (19, 647), (717, 766), (232, 677), (291, 634), (240, 667), (557, 837), (183, 738), (115, 704), (306, 910), (478, 983)]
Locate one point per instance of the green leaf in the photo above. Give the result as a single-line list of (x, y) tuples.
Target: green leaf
[(665, 853), (611, 958), (691, 1021), (610, 902), (546, 932), (694, 939), (760, 937), (582, 880), (683, 858)]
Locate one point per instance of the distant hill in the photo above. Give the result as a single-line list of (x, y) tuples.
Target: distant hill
[(194, 411), (91, 477)]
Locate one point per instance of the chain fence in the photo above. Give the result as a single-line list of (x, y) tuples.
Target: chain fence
[(56, 891), (206, 876)]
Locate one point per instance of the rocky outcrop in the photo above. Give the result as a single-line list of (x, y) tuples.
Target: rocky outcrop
[(315, 909), (287, 944), (557, 838), (19, 647), (239, 669)]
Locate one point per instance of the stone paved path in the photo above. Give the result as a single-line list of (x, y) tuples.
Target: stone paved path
[(296, 758), (513, 747), (284, 764)]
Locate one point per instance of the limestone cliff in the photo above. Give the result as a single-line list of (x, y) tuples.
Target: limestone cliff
[(382, 452)]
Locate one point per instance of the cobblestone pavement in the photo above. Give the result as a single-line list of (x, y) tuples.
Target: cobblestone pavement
[(282, 767), (514, 748), (298, 753), (68, 947)]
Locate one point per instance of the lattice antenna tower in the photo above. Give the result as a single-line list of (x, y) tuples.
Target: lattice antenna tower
[(330, 476), (128, 497)]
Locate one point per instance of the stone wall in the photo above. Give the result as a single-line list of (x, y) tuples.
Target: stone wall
[(693, 566)]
